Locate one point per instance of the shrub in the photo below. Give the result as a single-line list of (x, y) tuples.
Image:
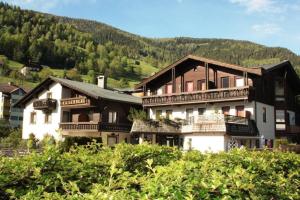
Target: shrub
[(150, 172)]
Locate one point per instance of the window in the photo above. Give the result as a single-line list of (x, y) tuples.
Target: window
[(14, 118), (225, 82), (279, 87), (33, 118), (280, 116), (112, 117), (264, 114), (239, 82), (169, 114), (226, 110), (158, 114), (20, 118), (48, 118), (189, 86), (201, 84), (240, 111), (49, 95), (169, 89), (189, 116), (201, 111)]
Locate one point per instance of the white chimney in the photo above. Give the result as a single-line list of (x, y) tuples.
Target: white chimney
[(102, 81)]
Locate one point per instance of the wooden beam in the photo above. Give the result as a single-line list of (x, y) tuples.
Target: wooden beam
[(206, 76), (173, 80)]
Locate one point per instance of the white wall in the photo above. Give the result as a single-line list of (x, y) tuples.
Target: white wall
[(204, 143), (267, 129), (40, 129), (180, 111)]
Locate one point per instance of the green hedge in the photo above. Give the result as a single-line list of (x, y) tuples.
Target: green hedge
[(150, 172)]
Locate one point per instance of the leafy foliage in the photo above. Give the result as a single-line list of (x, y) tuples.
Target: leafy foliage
[(150, 172)]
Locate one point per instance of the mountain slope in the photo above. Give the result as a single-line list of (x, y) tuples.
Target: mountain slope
[(92, 47)]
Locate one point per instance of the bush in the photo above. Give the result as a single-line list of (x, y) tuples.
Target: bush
[(13, 140), (150, 172)]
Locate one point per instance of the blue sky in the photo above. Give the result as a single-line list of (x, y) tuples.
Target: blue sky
[(268, 22)]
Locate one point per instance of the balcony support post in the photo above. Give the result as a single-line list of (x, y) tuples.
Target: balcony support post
[(206, 76), (173, 81), (182, 83)]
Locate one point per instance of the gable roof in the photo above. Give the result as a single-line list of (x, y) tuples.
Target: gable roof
[(285, 63), (253, 70), (86, 88), (9, 88)]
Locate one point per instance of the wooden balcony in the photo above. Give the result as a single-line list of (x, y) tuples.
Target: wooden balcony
[(94, 127), (215, 95), (115, 127), (79, 126), (293, 129), (45, 104), (77, 102)]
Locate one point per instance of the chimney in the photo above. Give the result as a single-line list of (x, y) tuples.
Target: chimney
[(102, 81)]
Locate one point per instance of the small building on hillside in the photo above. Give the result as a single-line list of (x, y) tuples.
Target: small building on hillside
[(9, 95), (30, 67), (65, 108), (204, 104)]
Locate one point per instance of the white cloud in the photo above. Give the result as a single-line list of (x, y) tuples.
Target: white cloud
[(46, 5), (269, 6), (266, 29)]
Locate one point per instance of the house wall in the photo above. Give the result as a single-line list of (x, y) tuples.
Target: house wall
[(267, 129), (180, 110), (40, 129), (205, 143), (16, 114)]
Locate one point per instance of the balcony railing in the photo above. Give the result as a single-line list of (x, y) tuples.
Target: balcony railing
[(199, 96), (115, 127), (45, 104), (75, 102), (293, 129), (94, 126), (79, 126)]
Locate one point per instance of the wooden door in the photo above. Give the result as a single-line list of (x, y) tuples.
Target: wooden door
[(189, 86), (169, 89)]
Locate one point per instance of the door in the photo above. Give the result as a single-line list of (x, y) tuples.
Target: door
[(112, 140), (201, 84), (169, 89), (189, 86), (189, 116)]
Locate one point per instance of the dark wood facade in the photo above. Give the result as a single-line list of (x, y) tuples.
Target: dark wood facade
[(83, 113)]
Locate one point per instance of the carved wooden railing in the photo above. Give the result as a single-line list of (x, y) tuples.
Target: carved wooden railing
[(76, 101), (115, 127), (78, 126), (198, 96), (45, 104), (293, 129), (94, 126)]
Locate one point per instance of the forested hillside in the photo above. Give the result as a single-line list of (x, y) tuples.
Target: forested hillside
[(92, 47)]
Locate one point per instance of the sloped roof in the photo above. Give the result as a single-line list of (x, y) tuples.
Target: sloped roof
[(86, 88), (9, 88), (253, 70), (275, 65)]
